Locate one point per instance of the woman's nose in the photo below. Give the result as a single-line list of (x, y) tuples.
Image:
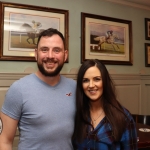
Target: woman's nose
[(91, 84)]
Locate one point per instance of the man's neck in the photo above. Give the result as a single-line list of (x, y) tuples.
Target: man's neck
[(52, 81)]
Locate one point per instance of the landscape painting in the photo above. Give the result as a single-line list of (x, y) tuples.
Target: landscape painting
[(105, 38), (25, 29), (21, 26)]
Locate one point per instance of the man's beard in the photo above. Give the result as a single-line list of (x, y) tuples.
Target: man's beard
[(49, 74)]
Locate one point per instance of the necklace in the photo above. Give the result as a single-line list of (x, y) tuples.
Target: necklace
[(94, 120)]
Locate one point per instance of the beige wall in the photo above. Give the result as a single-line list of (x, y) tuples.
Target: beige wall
[(99, 7), (132, 82)]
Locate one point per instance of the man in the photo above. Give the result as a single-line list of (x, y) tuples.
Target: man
[(42, 105)]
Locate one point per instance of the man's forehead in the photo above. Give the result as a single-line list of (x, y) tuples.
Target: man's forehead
[(54, 39), (51, 41)]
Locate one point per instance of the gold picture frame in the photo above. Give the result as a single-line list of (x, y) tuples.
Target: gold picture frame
[(21, 25), (114, 48), (147, 54), (147, 28)]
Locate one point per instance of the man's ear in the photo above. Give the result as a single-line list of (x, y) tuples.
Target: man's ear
[(35, 53), (66, 55)]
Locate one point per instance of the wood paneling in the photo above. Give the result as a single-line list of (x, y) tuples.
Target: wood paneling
[(133, 91)]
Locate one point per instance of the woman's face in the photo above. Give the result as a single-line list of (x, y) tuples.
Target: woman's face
[(92, 83)]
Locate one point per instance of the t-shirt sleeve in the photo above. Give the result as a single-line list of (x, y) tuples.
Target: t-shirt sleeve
[(13, 101)]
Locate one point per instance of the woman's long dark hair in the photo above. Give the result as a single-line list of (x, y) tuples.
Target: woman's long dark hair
[(112, 108)]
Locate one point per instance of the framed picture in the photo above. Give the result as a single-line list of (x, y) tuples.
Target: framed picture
[(147, 28), (21, 25), (147, 54), (107, 39)]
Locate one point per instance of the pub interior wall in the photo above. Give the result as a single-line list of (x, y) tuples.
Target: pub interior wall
[(99, 7)]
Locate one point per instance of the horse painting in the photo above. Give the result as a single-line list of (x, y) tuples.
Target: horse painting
[(32, 31), (109, 40)]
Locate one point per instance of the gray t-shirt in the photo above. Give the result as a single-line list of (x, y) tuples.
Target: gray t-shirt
[(45, 113)]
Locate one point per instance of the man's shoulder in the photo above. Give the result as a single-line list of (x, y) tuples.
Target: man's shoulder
[(68, 79), (24, 80)]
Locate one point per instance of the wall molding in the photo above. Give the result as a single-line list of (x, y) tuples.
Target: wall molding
[(16, 76), (133, 90), (127, 3)]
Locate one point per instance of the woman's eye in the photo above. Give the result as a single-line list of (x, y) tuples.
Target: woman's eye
[(85, 80), (97, 79)]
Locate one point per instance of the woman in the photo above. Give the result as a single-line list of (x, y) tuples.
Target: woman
[(101, 123)]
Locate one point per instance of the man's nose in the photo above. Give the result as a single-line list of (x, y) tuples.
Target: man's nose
[(50, 54)]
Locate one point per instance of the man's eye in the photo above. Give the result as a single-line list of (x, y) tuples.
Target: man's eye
[(44, 50), (57, 50)]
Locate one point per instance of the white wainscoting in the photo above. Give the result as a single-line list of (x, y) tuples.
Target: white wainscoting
[(133, 91)]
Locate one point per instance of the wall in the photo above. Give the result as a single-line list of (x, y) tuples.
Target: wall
[(99, 7), (133, 91)]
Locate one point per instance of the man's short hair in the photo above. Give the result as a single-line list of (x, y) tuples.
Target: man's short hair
[(50, 32)]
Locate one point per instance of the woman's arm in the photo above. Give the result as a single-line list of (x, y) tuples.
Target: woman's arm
[(129, 137)]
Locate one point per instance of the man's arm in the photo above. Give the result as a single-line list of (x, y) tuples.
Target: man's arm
[(8, 132)]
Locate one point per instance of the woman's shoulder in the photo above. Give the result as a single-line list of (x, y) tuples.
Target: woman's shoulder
[(128, 114)]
